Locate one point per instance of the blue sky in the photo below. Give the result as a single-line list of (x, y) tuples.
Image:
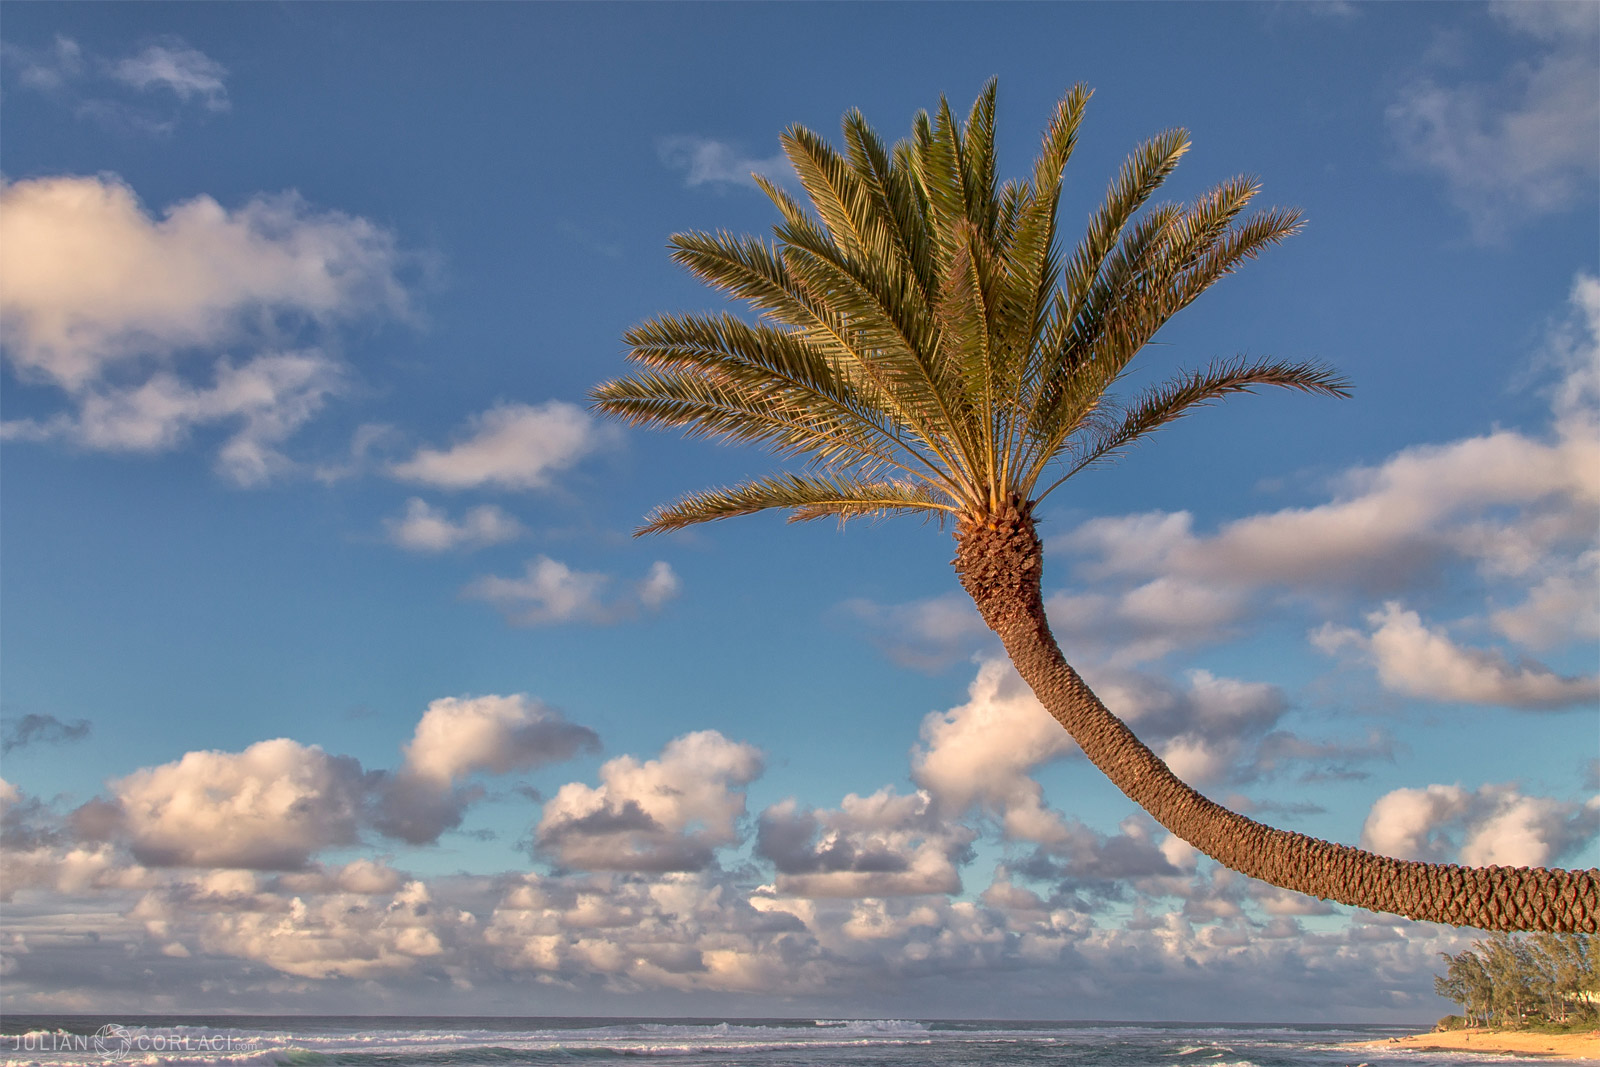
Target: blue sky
[(334, 680)]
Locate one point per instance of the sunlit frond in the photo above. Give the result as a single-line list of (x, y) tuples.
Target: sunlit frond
[(919, 320), (1178, 397), (805, 497)]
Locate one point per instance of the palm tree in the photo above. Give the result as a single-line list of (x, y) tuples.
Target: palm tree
[(923, 343)]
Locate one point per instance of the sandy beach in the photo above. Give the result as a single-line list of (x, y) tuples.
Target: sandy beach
[(1578, 1047)]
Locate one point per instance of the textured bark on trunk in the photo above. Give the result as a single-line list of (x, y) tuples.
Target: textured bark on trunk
[(1000, 561)]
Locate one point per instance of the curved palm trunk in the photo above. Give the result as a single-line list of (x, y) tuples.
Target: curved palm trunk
[(1000, 561)]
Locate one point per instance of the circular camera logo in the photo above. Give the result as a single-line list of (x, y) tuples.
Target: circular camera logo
[(113, 1042)]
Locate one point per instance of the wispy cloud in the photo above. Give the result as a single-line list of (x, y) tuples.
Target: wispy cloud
[(1526, 145), (122, 91), (48, 69), (177, 68), (705, 161), (36, 729)]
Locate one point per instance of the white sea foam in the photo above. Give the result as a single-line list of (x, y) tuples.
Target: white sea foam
[(893, 1042)]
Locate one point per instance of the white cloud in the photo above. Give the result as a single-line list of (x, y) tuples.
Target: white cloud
[(660, 585), (665, 814), (1420, 661), (982, 752), (1497, 824), (338, 935), (1524, 831), (1395, 523), (704, 161), (100, 299), (1524, 146), (551, 592), (458, 736), (89, 281), (269, 807), (1407, 823), (881, 845), (1557, 610), (512, 446), (424, 528), (266, 398), (177, 68), (278, 803)]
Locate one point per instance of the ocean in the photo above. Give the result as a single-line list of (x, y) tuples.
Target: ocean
[(65, 1041)]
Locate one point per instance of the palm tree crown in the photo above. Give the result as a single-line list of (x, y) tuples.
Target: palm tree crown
[(923, 342)]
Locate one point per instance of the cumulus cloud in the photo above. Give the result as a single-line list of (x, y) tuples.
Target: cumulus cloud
[(26, 822), (1422, 661), (100, 299), (705, 161), (862, 902), (89, 280), (1525, 145), (665, 814), (1561, 607), (459, 736), (277, 804), (512, 446), (881, 845), (1496, 824), (461, 943), (982, 753), (338, 935), (265, 399), (423, 528), (1085, 865), (551, 592), (269, 807), (36, 729)]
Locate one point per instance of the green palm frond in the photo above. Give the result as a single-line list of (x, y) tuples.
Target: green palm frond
[(805, 497), (924, 343), (1176, 398)]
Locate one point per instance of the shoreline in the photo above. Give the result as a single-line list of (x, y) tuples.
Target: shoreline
[(1582, 1046)]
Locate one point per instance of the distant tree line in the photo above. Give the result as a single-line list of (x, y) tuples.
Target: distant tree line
[(1510, 982)]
